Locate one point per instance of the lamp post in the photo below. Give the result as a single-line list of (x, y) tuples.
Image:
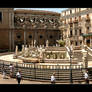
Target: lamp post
[(70, 52), (85, 62)]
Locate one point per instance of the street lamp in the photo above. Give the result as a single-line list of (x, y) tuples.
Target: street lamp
[(70, 53), (85, 62)]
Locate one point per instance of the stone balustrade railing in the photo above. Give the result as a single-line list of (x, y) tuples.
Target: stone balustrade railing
[(55, 48), (41, 66), (89, 50), (54, 55)]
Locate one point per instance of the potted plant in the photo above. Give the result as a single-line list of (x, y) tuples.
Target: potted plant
[(61, 43)]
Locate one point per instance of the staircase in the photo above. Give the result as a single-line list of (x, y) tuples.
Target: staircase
[(89, 53), (77, 54)]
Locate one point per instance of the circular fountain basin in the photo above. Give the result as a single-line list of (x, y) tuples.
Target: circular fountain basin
[(29, 59)]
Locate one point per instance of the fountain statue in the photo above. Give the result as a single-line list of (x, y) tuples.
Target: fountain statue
[(34, 43), (47, 43), (16, 52)]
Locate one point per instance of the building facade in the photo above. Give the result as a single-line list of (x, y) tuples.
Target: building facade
[(28, 27), (77, 26)]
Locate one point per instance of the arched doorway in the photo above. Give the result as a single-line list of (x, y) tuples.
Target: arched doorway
[(88, 42)]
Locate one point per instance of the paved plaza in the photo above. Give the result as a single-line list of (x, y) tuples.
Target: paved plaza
[(13, 81)]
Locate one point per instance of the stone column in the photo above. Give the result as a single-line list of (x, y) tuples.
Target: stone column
[(23, 48), (10, 40), (13, 39), (34, 43), (90, 42), (16, 51), (58, 55)]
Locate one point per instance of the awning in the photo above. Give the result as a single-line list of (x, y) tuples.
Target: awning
[(86, 35)]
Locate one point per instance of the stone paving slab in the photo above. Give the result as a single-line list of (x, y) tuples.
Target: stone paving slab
[(14, 81)]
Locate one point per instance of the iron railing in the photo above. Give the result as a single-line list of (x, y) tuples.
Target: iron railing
[(43, 72)]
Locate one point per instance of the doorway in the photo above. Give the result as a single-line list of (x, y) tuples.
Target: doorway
[(88, 42)]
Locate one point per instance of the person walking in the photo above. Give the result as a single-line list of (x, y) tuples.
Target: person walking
[(86, 77), (4, 73), (53, 78), (11, 67), (18, 77)]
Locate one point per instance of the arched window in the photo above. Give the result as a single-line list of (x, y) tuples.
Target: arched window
[(80, 31), (75, 32), (71, 32), (30, 36), (51, 36), (41, 36), (76, 43)]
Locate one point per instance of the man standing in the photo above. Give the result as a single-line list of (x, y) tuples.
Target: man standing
[(4, 73), (53, 78), (11, 67), (86, 77)]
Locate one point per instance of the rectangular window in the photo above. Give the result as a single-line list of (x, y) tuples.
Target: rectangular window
[(80, 42), (76, 43), (75, 32), (0, 16), (70, 32), (80, 32), (87, 28), (70, 11)]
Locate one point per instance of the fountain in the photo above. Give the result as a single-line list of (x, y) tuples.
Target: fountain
[(56, 54), (30, 54)]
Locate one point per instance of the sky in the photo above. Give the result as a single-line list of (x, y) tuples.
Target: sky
[(59, 10)]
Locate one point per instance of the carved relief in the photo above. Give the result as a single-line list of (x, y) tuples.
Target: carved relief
[(37, 21)]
